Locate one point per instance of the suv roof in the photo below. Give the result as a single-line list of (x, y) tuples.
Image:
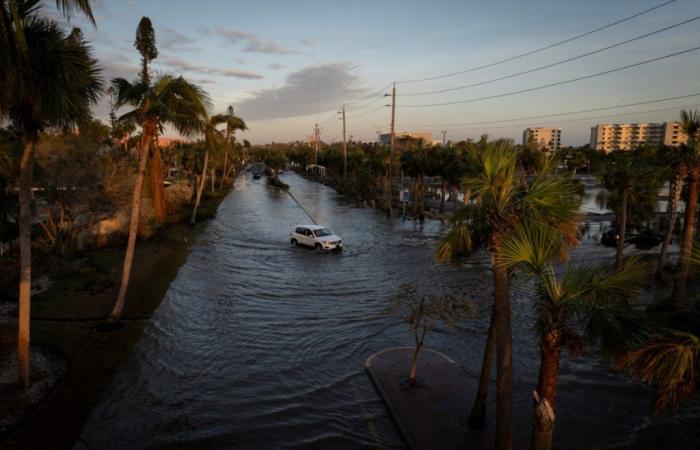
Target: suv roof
[(311, 227)]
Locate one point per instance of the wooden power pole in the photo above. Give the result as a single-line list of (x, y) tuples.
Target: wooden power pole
[(316, 138), (391, 145), (345, 151)]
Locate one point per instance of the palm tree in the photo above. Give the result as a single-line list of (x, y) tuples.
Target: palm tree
[(674, 197), (233, 123), (585, 305), (505, 200), (690, 125), (619, 177), (169, 100), (51, 81), (212, 139)]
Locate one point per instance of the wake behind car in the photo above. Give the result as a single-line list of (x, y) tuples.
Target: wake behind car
[(315, 236)]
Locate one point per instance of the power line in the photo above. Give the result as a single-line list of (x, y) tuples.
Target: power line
[(558, 83), (546, 47), (547, 66), (374, 100), (367, 113), (379, 92), (329, 128), (578, 119), (566, 113)]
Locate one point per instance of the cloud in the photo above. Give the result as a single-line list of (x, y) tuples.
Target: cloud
[(180, 64), (307, 41), (311, 90), (171, 39), (253, 43), (276, 66)]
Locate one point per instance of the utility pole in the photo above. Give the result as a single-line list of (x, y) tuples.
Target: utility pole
[(444, 133), (316, 137), (393, 138), (345, 151)]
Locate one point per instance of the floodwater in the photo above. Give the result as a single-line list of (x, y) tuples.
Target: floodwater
[(258, 345)]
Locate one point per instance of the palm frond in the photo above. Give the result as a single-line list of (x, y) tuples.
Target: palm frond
[(533, 245), (669, 363)]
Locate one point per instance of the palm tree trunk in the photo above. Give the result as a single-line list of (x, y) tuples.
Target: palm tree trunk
[(621, 225), (504, 356), (223, 172), (467, 195), (671, 212), (388, 193), (477, 418), (443, 194), (118, 309), (691, 209), (421, 196), (200, 189), (543, 429), (25, 249), (156, 176)]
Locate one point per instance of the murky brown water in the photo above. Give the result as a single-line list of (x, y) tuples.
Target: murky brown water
[(258, 345)]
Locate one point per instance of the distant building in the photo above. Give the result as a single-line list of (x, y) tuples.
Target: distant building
[(386, 138), (609, 137), (166, 142), (547, 139)]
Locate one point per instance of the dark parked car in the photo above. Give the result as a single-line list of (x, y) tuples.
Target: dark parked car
[(646, 239), (642, 238), (256, 175)]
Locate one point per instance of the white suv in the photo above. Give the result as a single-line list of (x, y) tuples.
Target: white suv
[(315, 236)]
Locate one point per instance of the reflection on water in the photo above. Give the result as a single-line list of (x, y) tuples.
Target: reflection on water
[(258, 345)]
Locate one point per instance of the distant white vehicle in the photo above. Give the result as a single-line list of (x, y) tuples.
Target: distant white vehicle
[(315, 236)]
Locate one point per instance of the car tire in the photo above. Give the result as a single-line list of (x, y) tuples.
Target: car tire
[(293, 242), (318, 247)]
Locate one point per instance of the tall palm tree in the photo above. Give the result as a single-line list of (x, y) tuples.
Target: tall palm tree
[(584, 305), (690, 125), (618, 177), (505, 200), (233, 123), (212, 140), (674, 197), (168, 100), (51, 81)]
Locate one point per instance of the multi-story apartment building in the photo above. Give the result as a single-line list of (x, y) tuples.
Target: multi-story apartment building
[(546, 139), (386, 138), (609, 137)]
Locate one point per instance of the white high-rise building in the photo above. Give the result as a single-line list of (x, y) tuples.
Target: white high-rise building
[(546, 139), (628, 136)]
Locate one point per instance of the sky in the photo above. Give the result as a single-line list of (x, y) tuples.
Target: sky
[(286, 65)]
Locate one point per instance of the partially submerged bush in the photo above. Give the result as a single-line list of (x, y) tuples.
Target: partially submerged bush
[(423, 312)]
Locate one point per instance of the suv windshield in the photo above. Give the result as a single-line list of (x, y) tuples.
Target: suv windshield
[(322, 232)]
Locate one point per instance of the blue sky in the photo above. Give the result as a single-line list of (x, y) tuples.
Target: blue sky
[(285, 65)]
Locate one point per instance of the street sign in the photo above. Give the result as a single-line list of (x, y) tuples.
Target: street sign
[(405, 196)]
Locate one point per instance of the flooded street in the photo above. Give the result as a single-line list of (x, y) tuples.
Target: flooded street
[(258, 345)]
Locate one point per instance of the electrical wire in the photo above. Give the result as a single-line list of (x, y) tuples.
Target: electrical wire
[(558, 83), (566, 113), (547, 66), (546, 47), (367, 113), (674, 108)]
